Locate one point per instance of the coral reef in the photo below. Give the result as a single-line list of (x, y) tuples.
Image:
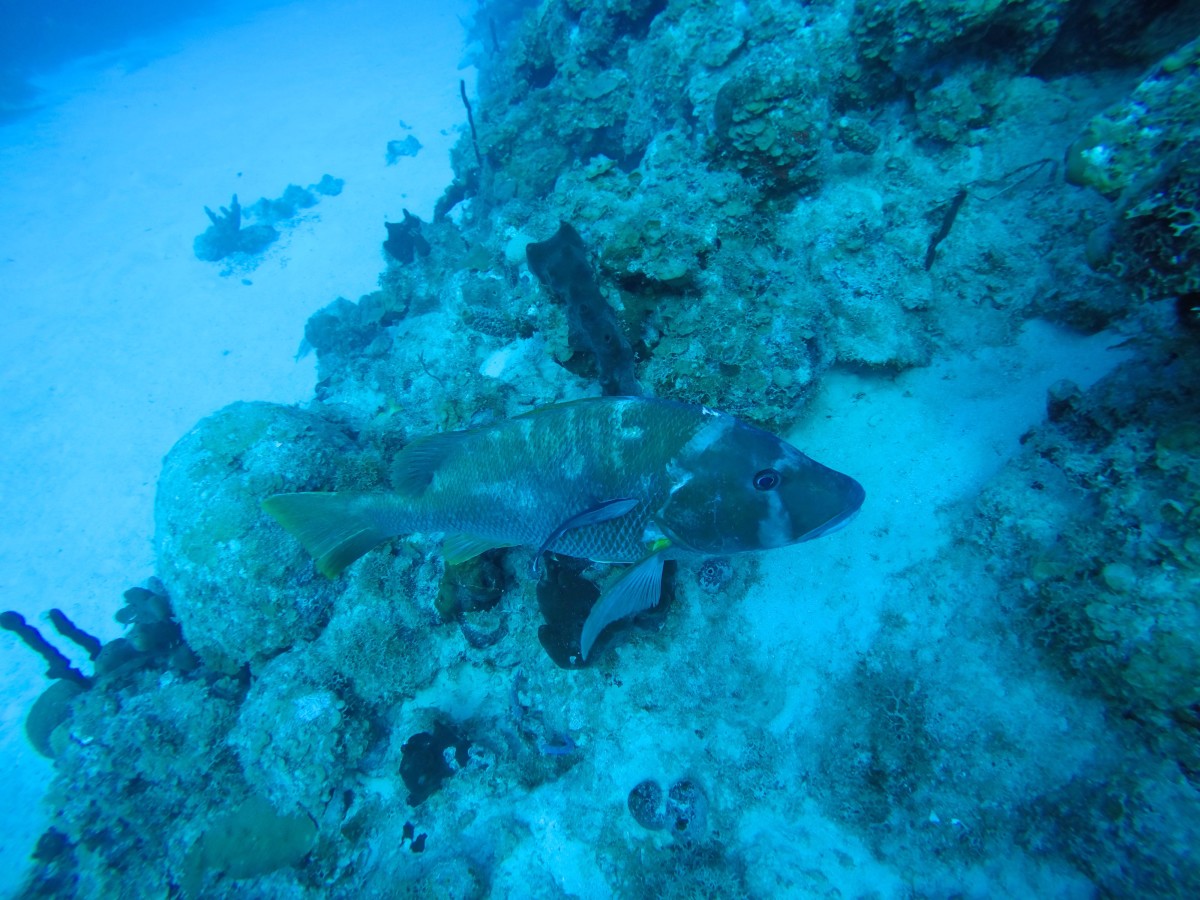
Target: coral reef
[(1107, 572), (208, 524), (1142, 153), (762, 196), (560, 263)]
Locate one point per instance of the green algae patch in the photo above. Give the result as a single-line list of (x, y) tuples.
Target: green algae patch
[(254, 840)]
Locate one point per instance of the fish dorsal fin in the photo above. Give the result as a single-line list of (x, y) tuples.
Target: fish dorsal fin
[(593, 515), (418, 462), (458, 548), (636, 590)]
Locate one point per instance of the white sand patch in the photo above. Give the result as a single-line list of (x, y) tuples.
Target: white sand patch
[(115, 339), (919, 443)]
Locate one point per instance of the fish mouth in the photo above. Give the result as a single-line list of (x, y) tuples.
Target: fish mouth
[(853, 498)]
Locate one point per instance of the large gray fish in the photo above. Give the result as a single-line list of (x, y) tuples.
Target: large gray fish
[(611, 479)]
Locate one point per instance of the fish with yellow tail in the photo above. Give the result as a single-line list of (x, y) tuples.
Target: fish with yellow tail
[(611, 479)]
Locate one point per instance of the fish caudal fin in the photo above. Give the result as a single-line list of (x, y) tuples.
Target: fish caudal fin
[(636, 590), (335, 527)]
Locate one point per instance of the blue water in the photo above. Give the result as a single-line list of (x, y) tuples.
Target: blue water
[(947, 251), (37, 35)]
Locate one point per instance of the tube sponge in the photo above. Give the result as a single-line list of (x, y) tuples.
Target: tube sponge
[(57, 665)]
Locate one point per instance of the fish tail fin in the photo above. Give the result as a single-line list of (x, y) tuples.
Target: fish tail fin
[(335, 527)]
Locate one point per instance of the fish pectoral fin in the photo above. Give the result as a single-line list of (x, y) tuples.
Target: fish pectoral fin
[(458, 548), (636, 590), (593, 515)]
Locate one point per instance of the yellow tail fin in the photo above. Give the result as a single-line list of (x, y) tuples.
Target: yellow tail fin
[(335, 527)]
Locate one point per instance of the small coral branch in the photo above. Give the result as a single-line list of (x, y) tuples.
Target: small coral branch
[(462, 89), (226, 235), (947, 223), (229, 222)]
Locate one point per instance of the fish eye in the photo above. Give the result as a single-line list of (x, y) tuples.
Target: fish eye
[(766, 480)]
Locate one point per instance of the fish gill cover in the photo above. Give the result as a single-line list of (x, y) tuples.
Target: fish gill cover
[(768, 194)]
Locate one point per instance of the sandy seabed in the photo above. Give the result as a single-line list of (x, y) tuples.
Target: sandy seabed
[(115, 340)]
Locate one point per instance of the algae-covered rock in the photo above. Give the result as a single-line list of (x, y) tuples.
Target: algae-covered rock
[(253, 840), (293, 737), (1143, 153), (134, 766), (916, 38), (1115, 605), (769, 126), (381, 644), (1127, 142), (242, 588)]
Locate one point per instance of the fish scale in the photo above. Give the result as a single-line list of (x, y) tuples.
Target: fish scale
[(518, 480)]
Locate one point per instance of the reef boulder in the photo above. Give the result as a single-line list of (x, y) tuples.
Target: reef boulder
[(242, 589)]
